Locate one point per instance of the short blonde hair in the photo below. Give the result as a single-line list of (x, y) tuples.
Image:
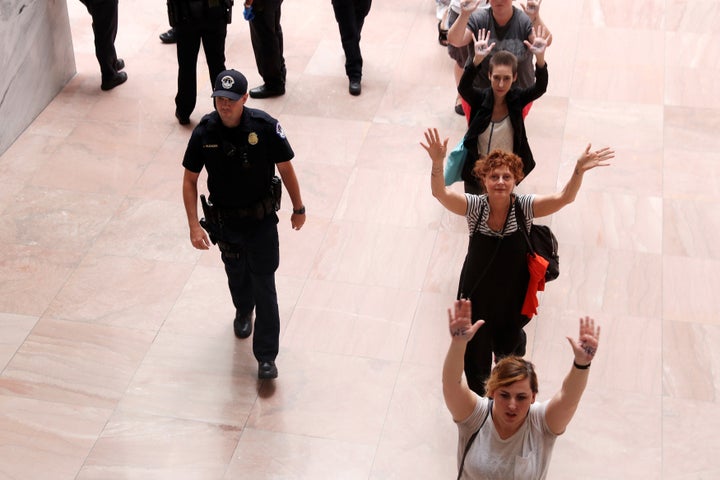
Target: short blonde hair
[(510, 370)]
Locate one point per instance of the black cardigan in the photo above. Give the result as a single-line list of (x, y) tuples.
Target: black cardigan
[(482, 100)]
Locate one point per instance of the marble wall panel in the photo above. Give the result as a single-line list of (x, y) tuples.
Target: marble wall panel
[(36, 54)]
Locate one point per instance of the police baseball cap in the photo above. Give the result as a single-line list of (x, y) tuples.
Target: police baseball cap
[(230, 84)]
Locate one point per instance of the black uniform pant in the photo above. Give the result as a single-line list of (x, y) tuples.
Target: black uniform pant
[(251, 278), (212, 36), (104, 15), (350, 16), (267, 41)]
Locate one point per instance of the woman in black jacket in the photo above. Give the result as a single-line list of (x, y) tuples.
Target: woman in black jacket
[(496, 113)]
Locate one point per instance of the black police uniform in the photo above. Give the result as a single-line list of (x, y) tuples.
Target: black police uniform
[(266, 36), (240, 164), (104, 15), (196, 22), (350, 16)]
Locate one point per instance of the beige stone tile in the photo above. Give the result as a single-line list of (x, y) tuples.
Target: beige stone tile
[(696, 419), (690, 229), (56, 219), (691, 129), (31, 276), (357, 320), (147, 446), (698, 16), (46, 439), (691, 174), (689, 289), (613, 282), (220, 372), (263, 454), (14, 329), (149, 229), (410, 448), (374, 255), (612, 220), (315, 392), (75, 363), (402, 200), (139, 293), (690, 360), (649, 15)]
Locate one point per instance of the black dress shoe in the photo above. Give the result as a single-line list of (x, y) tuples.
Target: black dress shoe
[(243, 325), (267, 370), (265, 91), (112, 82), (459, 110), (183, 120), (119, 64), (168, 37), (355, 88)]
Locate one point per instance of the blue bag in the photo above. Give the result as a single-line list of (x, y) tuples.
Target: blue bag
[(454, 163)]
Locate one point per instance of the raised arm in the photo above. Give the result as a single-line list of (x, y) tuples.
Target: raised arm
[(549, 204), (539, 44), (562, 406), (459, 399), (482, 48), (437, 149), (459, 35), (532, 10)]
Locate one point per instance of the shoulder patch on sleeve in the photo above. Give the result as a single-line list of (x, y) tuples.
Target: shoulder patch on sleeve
[(279, 130)]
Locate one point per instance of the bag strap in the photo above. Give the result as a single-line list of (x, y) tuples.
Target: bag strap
[(472, 439), (520, 218)]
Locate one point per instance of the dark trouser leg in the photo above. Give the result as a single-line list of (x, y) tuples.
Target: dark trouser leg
[(213, 41), (105, 23), (511, 339), (251, 278), (267, 40), (478, 359), (350, 17), (188, 46)]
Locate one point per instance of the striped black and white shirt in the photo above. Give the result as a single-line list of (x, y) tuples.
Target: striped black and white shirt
[(475, 206)]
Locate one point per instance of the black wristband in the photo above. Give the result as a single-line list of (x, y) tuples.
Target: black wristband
[(300, 211), (581, 367)]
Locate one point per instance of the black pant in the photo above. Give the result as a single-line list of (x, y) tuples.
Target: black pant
[(212, 36), (104, 15), (495, 277), (251, 278), (267, 41), (350, 16)]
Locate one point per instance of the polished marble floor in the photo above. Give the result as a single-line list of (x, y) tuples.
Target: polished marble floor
[(117, 356)]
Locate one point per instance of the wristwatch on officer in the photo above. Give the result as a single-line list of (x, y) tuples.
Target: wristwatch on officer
[(300, 211)]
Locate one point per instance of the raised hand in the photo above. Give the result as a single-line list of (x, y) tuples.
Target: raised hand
[(483, 47), (532, 9), (436, 148), (460, 321), (586, 344), (541, 38), (470, 5), (598, 158)]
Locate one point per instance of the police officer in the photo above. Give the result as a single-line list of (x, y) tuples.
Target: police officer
[(195, 22), (266, 36), (104, 15), (239, 147), (350, 16)]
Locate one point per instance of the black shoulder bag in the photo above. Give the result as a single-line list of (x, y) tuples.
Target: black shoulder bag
[(541, 241), (472, 439)]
